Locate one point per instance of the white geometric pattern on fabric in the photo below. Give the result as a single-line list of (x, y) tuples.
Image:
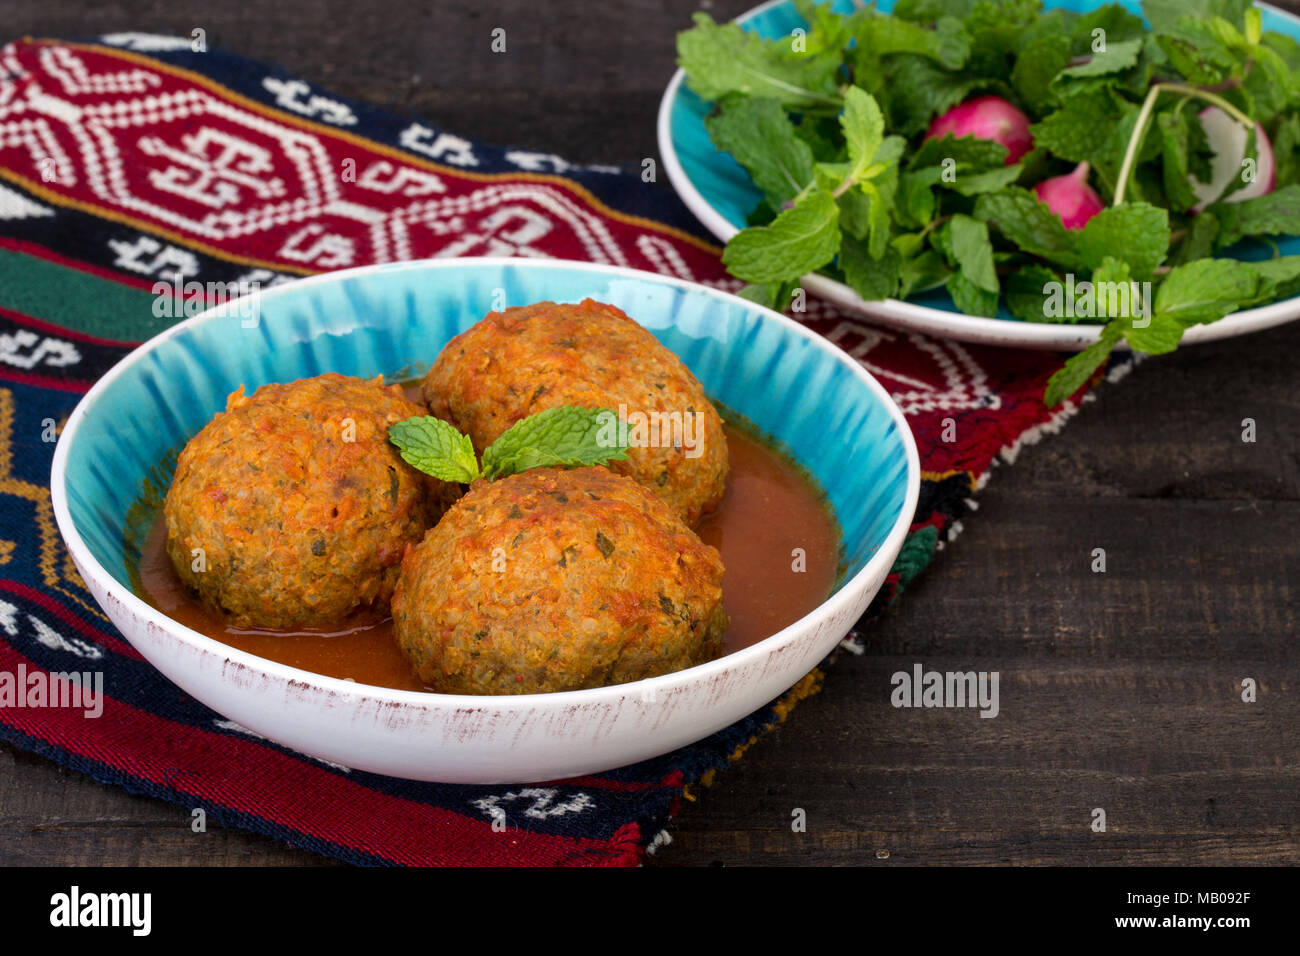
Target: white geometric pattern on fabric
[(14, 206)]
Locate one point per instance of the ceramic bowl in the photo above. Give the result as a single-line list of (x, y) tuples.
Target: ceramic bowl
[(798, 388), (720, 194)]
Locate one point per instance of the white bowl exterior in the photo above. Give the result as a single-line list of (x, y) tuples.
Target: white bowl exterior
[(467, 739), (482, 740)]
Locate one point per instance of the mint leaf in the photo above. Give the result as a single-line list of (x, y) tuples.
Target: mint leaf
[(947, 44), (972, 252), (871, 278), (770, 295), (996, 28), (924, 11), (1036, 67), (435, 448), (1089, 128), (1029, 224), (1158, 337), (1286, 150), (1276, 214), (1197, 51), (914, 200), (1116, 22), (827, 29), (1118, 55), (1199, 241), (1027, 290), (970, 298), (855, 213), (799, 240), (1271, 84), (726, 59), (966, 152), (1205, 290), (1163, 14), (1279, 278), (922, 272), (1079, 368), (991, 180), (566, 436), (864, 129), (1136, 232), (879, 212), (1175, 141), (919, 89), (759, 135)]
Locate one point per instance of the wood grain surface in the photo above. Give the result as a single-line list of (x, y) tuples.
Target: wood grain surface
[(1119, 690)]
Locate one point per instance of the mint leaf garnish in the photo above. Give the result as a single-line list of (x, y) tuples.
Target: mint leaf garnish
[(566, 436), (435, 448)]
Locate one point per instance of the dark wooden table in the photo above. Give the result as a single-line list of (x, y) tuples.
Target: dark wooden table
[(1119, 690)]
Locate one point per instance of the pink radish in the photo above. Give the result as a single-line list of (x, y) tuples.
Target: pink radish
[(1070, 197), (986, 117), (1227, 138)]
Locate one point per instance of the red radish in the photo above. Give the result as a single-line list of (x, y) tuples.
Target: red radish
[(986, 117), (1070, 197), (1227, 138)]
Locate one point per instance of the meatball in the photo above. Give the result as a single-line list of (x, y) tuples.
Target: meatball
[(552, 580), (527, 359), (291, 508)]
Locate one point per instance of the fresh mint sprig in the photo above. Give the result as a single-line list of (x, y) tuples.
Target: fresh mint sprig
[(566, 436)]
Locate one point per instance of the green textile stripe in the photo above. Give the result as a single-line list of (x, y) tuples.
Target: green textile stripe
[(77, 300), (917, 550)]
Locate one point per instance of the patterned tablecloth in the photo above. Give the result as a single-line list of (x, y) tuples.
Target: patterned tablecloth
[(136, 160)]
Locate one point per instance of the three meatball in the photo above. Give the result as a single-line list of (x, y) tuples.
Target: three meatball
[(292, 509), (553, 580)]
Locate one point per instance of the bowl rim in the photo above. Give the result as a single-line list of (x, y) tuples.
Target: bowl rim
[(284, 673), (901, 314)]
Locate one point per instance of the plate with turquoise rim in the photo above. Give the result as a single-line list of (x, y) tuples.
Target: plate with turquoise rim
[(720, 194), (830, 415)]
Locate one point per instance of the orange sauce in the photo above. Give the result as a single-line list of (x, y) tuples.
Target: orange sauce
[(770, 510)]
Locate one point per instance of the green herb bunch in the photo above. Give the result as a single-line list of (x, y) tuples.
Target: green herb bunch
[(829, 124)]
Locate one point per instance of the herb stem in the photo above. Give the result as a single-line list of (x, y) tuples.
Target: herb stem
[(1144, 118), (1135, 142), (1197, 93)]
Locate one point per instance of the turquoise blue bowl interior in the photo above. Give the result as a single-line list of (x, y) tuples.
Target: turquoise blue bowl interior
[(726, 186), (395, 319)]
